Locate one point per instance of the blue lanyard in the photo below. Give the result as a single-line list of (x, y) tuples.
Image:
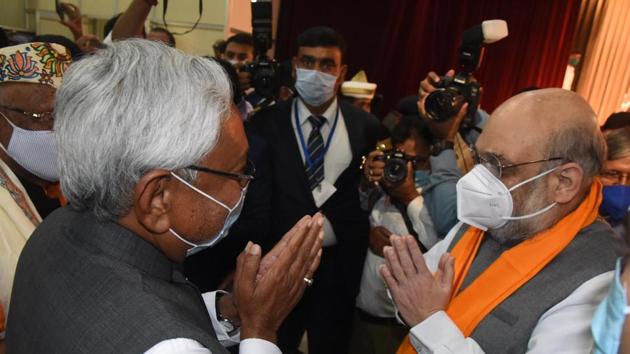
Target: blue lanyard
[(307, 155)]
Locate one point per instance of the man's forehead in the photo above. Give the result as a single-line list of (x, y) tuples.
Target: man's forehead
[(320, 52), (238, 47)]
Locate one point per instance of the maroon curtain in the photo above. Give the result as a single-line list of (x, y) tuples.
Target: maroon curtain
[(397, 42)]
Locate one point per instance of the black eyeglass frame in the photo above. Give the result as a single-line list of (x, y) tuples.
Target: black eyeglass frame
[(248, 176)]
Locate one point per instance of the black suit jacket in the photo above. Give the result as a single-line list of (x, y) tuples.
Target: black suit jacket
[(290, 196)]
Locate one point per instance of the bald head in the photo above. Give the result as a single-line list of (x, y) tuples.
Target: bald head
[(543, 124)]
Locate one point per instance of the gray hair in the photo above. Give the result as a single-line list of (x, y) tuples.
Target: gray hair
[(131, 108), (582, 144), (618, 141)]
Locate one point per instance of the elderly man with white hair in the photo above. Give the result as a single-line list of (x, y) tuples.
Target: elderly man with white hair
[(153, 160)]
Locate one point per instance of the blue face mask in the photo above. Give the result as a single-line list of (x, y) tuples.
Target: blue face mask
[(615, 203), (609, 317), (315, 87), (421, 177)]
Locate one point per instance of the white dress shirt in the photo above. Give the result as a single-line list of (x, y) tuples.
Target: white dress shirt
[(565, 328), (190, 346), (373, 297), (338, 156)]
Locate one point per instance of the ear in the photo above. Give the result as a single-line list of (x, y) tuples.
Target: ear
[(152, 201), (342, 73), (569, 182)]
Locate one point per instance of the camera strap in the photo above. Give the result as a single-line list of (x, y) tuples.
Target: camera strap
[(165, 7), (402, 209), (307, 155)]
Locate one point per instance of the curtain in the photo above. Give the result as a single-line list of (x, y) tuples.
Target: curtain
[(397, 42), (605, 77)]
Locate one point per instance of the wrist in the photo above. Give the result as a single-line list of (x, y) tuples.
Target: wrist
[(227, 312), (407, 198), (254, 332)]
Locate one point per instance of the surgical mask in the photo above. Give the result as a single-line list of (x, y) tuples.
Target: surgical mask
[(315, 87), (609, 317), (34, 150), (484, 202), (233, 214), (615, 203), (421, 177)]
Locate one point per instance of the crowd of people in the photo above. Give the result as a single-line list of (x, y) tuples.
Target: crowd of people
[(154, 201)]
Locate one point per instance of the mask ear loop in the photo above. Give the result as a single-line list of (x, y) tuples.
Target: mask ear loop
[(201, 192), (539, 212), (12, 125)]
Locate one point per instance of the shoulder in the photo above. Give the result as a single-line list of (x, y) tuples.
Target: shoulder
[(270, 115), (358, 115)]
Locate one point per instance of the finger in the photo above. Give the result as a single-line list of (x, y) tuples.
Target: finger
[(238, 273), (448, 270), (433, 77), (402, 250), (377, 164), (392, 261), (314, 250), (290, 234), (416, 255), (287, 258), (421, 110), (375, 153), (387, 276), (427, 87), (457, 121), (314, 265), (450, 73)]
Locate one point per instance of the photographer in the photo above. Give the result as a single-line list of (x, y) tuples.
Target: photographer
[(374, 320), (450, 157), (239, 51)]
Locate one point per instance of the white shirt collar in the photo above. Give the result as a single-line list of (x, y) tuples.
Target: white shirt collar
[(304, 113)]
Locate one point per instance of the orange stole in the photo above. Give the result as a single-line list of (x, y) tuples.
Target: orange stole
[(512, 269)]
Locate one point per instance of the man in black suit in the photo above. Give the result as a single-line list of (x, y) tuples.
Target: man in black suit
[(314, 144)]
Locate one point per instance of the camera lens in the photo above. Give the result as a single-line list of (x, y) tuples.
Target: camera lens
[(395, 170), (443, 104)]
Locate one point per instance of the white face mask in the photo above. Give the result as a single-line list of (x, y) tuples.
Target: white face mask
[(484, 202), (233, 214), (235, 62), (34, 150), (315, 87)]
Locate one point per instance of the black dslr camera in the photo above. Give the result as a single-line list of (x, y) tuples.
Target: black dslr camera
[(452, 93), (395, 170), (263, 69)]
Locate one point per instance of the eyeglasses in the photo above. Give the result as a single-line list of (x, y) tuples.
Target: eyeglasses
[(42, 117), (494, 164), (243, 178)]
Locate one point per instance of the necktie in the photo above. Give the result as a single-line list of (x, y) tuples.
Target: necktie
[(315, 172)]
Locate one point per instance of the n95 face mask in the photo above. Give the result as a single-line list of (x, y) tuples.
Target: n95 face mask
[(484, 202)]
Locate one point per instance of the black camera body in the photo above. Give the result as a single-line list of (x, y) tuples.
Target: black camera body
[(451, 93), (263, 69), (395, 170)]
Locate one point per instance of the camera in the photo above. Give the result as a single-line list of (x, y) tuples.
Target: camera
[(395, 170), (452, 92), (263, 69)]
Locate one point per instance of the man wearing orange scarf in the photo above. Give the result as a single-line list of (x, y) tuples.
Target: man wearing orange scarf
[(530, 260)]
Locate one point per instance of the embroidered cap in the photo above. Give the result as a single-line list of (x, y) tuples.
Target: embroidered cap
[(37, 62), (359, 87)]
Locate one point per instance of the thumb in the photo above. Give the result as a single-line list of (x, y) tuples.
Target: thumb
[(247, 268)]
